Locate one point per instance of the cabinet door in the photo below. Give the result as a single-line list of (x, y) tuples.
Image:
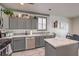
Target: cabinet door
[(34, 23), (13, 23), (37, 41), (19, 44), (28, 24), (25, 23), (20, 23), (42, 43)]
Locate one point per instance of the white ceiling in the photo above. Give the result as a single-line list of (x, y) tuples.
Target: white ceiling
[(62, 9)]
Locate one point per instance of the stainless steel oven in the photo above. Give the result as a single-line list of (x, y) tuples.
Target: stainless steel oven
[(6, 51)]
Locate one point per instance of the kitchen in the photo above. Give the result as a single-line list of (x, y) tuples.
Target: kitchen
[(23, 31), (27, 30)]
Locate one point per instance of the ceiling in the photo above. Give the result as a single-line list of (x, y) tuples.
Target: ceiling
[(61, 9)]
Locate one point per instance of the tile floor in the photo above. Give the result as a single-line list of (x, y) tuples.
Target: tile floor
[(34, 52)]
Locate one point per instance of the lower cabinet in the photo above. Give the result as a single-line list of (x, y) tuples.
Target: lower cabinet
[(42, 42), (22, 43), (37, 41), (18, 44)]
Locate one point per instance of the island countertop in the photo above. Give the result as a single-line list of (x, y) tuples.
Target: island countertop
[(58, 42)]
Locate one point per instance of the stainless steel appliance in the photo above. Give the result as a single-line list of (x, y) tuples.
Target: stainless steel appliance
[(5, 47)]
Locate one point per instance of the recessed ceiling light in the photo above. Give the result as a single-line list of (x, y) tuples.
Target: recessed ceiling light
[(22, 3)]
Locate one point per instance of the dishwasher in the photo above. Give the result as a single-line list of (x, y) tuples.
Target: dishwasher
[(30, 42)]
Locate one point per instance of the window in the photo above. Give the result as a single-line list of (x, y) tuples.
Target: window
[(41, 23)]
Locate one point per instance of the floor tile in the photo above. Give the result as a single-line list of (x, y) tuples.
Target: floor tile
[(34, 52)]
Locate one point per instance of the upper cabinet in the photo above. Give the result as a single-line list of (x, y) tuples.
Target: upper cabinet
[(34, 24), (21, 20), (13, 23), (20, 23)]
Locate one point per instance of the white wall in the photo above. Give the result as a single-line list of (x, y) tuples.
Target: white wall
[(75, 26), (60, 32), (5, 19)]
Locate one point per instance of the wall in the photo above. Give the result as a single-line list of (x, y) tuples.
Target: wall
[(5, 19), (75, 26), (60, 32)]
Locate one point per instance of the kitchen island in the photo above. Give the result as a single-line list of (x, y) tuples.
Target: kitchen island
[(61, 47)]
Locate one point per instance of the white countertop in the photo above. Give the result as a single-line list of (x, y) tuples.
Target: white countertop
[(6, 38), (33, 35), (58, 42)]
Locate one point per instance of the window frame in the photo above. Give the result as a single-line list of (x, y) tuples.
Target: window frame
[(42, 24)]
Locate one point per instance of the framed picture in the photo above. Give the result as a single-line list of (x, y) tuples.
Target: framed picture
[(55, 24)]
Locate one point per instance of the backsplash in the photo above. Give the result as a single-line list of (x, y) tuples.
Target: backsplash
[(22, 32)]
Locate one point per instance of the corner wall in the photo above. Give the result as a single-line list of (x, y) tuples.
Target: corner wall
[(5, 19), (59, 32), (75, 27)]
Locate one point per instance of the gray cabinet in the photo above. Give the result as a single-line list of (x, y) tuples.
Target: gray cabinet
[(34, 23), (19, 44), (49, 50), (13, 23), (27, 24), (42, 43), (21, 24), (37, 41)]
